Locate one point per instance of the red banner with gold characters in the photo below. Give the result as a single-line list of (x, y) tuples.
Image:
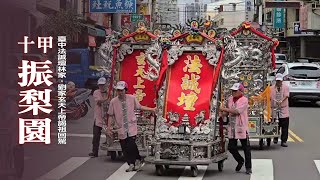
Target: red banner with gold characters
[(190, 83), (132, 71)]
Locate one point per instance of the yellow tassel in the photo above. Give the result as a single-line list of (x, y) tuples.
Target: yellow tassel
[(265, 97)]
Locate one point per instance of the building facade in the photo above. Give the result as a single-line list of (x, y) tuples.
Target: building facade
[(303, 29), (168, 11), (229, 16), (192, 10), (229, 19), (299, 32)]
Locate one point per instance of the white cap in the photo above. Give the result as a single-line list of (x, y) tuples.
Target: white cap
[(279, 77), (102, 81), (71, 85), (237, 86), (121, 85)]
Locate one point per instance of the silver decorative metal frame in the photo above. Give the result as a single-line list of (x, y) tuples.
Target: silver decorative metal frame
[(197, 145), (250, 56), (105, 52), (145, 123)]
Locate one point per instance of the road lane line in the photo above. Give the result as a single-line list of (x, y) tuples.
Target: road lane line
[(290, 139), (64, 169), (317, 162), (262, 169), (121, 173), (295, 136), (187, 172)]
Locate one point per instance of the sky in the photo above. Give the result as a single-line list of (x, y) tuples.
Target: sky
[(212, 4)]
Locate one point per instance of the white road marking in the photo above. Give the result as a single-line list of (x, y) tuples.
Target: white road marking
[(121, 173), (187, 172), (90, 136), (262, 169), (64, 169), (279, 141), (317, 162)]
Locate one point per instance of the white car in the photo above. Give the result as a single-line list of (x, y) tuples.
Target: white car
[(303, 80), (280, 59)]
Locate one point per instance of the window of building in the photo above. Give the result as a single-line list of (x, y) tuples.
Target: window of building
[(297, 14), (269, 17)]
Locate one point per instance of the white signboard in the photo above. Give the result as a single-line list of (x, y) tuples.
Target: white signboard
[(249, 9)]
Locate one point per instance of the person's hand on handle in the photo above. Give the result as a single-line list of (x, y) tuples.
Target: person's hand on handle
[(221, 108), (109, 132)]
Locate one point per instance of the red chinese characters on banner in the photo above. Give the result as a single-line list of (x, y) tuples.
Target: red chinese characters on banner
[(132, 71), (190, 83)]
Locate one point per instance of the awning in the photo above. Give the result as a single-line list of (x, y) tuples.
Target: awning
[(40, 17), (93, 31), (51, 4)]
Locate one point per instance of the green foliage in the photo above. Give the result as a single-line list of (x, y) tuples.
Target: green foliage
[(65, 22)]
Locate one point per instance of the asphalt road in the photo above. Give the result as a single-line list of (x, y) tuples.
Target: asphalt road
[(299, 161)]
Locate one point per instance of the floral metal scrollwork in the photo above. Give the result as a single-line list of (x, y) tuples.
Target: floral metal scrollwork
[(153, 54), (212, 55), (123, 50), (174, 53)]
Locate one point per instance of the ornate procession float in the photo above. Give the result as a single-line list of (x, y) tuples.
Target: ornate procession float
[(249, 58), (128, 63), (186, 74), (187, 68)]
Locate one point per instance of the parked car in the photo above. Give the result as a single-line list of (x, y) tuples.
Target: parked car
[(309, 60), (280, 59), (303, 80)]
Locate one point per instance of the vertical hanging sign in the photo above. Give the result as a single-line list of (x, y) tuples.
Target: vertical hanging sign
[(249, 10), (278, 17)]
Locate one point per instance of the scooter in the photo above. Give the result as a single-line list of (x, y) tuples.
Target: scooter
[(77, 107)]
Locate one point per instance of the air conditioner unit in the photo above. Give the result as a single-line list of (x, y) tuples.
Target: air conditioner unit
[(316, 5), (316, 2)]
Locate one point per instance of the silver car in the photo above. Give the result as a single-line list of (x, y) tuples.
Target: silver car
[(303, 80)]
